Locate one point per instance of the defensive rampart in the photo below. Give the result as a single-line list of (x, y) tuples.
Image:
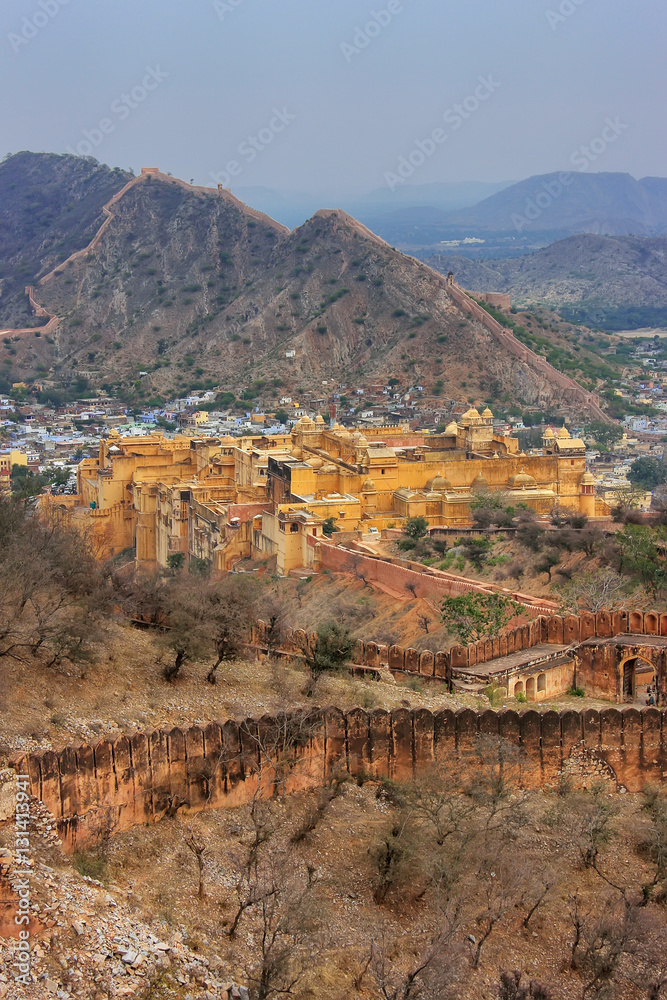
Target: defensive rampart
[(570, 630), (397, 577), (138, 779), (572, 390)]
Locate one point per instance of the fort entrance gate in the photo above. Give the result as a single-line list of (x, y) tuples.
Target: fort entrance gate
[(638, 679), (623, 667)]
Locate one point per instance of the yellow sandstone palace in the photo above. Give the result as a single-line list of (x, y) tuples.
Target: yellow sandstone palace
[(223, 499)]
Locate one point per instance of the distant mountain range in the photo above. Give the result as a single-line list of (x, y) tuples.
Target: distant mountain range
[(509, 218), (293, 208), (607, 204), (616, 282)]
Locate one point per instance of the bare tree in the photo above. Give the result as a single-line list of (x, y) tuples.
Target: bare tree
[(286, 920), (500, 880), (655, 808), (199, 849), (513, 987), (434, 974), (423, 620), (585, 821), (51, 589), (625, 499), (276, 900), (648, 969), (435, 801), (274, 614), (601, 938), (601, 590)]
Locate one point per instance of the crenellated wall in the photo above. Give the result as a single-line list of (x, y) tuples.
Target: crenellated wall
[(567, 630), (144, 777)]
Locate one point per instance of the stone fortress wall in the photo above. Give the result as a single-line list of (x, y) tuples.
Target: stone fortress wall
[(140, 778), (569, 630), (572, 390)]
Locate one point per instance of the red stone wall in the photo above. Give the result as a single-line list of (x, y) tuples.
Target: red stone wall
[(142, 778), (555, 629)]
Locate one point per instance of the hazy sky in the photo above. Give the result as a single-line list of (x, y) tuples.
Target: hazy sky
[(295, 97)]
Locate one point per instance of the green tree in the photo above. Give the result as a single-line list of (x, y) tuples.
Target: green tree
[(640, 556), (282, 416), (489, 509), (415, 527), (605, 435), (647, 472), (547, 563), (331, 650), (26, 484), (471, 616), (329, 526), (175, 561)]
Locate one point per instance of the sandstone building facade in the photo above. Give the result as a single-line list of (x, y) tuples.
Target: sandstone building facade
[(268, 497)]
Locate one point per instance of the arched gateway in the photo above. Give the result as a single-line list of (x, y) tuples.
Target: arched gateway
[(638, 678), (622, 668)]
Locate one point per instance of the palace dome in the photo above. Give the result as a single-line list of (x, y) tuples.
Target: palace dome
[(470, 417), (438, 484), (479, 483), (587, 480), (487, 412), (319, 420), (563, 434), (548, 433), (368, 486), (451, 429), (522, 481)]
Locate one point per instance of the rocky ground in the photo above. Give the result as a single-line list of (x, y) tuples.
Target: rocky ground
[(87, 939)]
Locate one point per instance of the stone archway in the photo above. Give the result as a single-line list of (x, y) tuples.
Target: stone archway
[(638, 679)]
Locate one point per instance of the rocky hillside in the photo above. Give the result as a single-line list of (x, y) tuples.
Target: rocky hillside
[(617, 275), (187, 286), (50, 206)]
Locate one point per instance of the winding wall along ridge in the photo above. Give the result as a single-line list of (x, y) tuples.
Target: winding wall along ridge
[(509, 342)]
